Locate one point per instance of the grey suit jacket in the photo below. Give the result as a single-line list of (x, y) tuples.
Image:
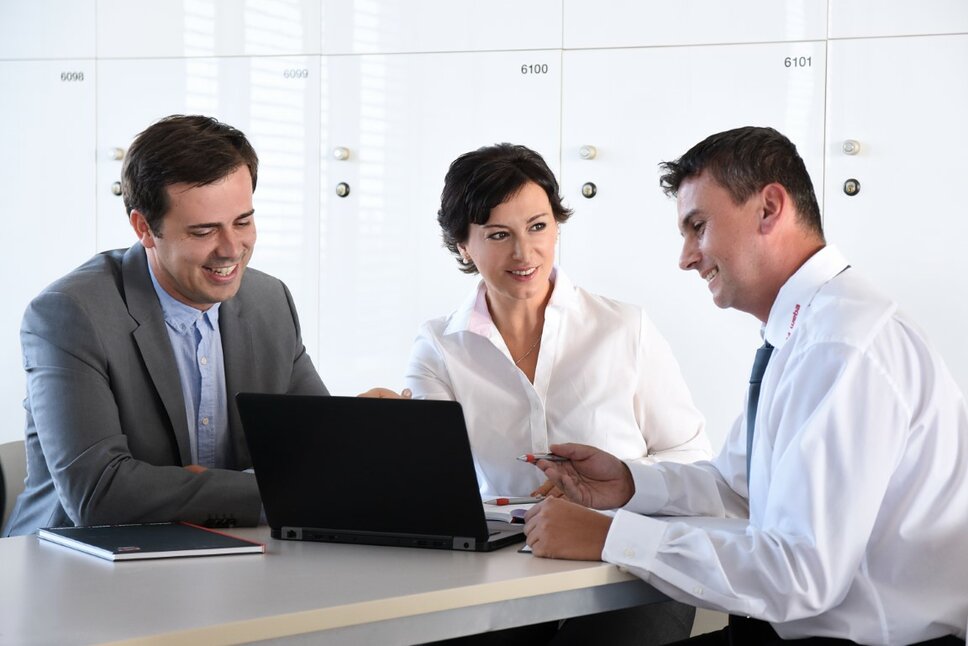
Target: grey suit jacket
[(106, 432)]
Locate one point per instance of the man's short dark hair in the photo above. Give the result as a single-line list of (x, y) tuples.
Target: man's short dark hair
[(482, 179), (745, 160), (195, 150)]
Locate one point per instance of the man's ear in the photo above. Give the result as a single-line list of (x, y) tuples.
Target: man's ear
[(141, 229), (775, 204)]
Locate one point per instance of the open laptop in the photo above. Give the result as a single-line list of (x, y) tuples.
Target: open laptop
[(374, 471)]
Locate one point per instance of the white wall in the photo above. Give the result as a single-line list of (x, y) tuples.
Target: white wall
[(407, 86)]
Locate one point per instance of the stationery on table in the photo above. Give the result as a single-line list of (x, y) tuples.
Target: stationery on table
[(149, 541), (508, 509)]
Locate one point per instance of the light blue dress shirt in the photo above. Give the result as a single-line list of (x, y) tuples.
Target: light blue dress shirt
[(197, 344)]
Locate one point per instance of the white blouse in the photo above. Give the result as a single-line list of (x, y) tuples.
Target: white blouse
[(604, 376)]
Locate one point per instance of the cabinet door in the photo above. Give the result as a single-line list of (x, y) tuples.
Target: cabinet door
[(403, 119), (636, 23), (46, 198), (398, 26), (275, 102), (156, 28), (903, 101), (864, 18), (638, 107), (50, 29)]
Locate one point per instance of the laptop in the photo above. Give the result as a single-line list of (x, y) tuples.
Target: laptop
[(372, 471)]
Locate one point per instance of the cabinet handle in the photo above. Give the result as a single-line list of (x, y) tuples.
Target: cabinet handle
[(116, 154), (341, 153), (342, 189), (851, 147), (588, 152), (851, 187), (589, 190), (116, 188)]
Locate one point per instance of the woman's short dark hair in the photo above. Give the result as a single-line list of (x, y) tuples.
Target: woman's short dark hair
[(195, 150), (743, 161), (482, 179)]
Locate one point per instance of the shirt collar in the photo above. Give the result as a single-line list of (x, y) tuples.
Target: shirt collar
[(179, 316), (473, 315), (798, 292)]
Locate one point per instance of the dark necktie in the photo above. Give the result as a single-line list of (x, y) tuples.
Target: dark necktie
[(759, 367)]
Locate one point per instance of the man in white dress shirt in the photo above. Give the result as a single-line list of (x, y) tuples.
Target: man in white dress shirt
[(856, 488)]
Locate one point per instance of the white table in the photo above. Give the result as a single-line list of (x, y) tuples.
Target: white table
[(296, 593)]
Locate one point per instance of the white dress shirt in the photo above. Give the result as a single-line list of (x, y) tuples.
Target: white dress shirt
[(858, 509), (605, 377)]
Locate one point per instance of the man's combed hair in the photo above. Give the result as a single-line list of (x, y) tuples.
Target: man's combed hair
[(745, 160), (484, 178), (194, 150)]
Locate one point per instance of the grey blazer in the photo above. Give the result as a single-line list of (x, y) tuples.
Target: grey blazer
[(106, 434)]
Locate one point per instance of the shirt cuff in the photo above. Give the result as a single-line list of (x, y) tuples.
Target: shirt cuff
[(633, 541), (651, 493)]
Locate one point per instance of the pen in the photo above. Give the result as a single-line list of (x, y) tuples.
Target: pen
[(513, 501), (534, 457)]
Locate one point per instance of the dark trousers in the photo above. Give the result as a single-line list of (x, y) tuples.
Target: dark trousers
[(743, 631), (649, 625)]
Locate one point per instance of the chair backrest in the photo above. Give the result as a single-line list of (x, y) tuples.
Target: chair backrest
[(13, 470)]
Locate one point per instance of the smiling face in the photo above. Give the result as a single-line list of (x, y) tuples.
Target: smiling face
[(515, 249), (723, 242), (206, 239)]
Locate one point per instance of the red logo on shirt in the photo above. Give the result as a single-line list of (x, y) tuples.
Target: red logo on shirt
[(793, 321)]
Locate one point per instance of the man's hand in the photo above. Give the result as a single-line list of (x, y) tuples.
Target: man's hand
[(559, 529), (386, 393), (590, 476)]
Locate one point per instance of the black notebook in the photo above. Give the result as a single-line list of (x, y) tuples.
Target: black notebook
[(149, 541)]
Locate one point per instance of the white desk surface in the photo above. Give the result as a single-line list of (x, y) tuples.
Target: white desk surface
[(296, 593)]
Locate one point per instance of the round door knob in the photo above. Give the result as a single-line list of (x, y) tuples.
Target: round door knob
[(342, 189), (852, 187), (588, 152), (342, 153), (116, 154), (589, 190), (116, 188), (851, 147)]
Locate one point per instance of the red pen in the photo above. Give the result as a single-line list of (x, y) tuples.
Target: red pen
[(513, 501), (534, 457)]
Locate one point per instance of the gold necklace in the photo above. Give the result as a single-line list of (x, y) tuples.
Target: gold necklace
[(530, 350)]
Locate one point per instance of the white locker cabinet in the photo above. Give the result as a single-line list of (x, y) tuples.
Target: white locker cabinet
[(161, 28), (402, 119), (903, 101), (400, 26), (275, 102), (46, 29), (46, 198), (638, 107), (865, 18), (641, 23)]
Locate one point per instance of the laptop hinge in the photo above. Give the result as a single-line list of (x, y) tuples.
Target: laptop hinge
[(465, 543)]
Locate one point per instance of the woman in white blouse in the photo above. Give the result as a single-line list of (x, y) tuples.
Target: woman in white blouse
[(535, 360)]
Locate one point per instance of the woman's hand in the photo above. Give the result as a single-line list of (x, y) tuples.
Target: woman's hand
[(547, 490), (386, 393)]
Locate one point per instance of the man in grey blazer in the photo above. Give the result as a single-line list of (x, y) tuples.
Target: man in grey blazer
[(133, 359)]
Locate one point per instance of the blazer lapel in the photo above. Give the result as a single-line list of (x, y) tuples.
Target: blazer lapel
[(238, 351), (152, 339)]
